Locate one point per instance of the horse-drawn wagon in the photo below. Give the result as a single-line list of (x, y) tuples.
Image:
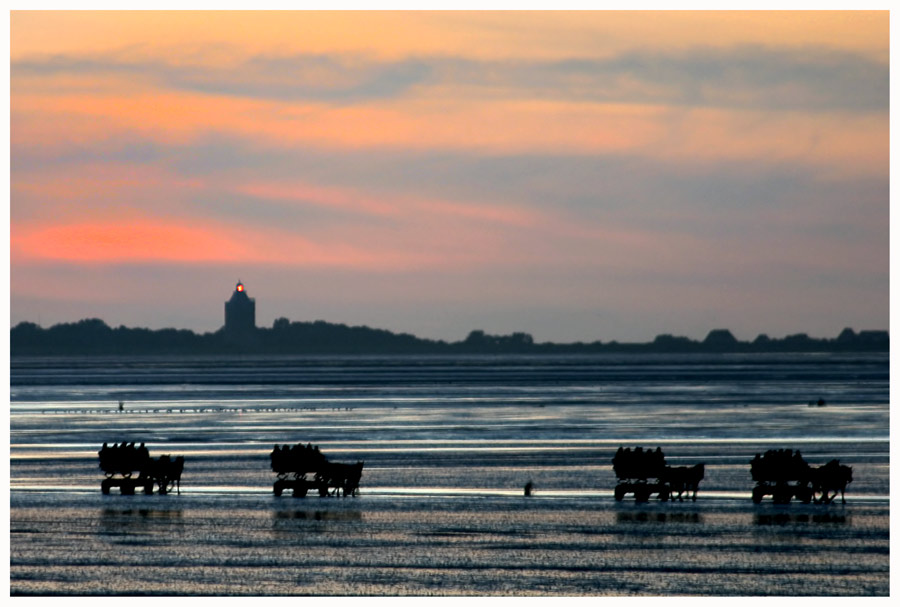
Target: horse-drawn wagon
[(645, 473), (129, 468), (785, 475), (304, 468)]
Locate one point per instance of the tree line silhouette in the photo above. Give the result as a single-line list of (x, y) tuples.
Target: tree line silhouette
[(94, 337)]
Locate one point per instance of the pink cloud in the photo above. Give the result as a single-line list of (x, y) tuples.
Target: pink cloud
[(390, 205)]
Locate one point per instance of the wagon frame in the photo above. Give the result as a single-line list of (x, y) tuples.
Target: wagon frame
[(641, 473), (303, 469)]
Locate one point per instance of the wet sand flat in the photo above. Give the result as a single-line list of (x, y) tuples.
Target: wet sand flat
[(448, 446), (439, 545)]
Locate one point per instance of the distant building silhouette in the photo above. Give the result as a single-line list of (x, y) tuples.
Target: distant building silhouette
[(240, 311)]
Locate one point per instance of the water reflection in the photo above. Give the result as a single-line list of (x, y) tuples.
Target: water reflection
[(659, 517), (319, 515), (292, 522), (130, 520), (786, 518), (142, 513)]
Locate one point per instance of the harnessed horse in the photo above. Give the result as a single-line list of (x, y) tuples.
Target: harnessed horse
[(343, 477), (829, 480), (681, 479)]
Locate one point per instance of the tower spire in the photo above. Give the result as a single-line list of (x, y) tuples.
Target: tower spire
[(240, 311)]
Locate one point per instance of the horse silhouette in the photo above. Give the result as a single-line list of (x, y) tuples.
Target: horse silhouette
[(166, 472), (681, 479), (343, 477), (174, 473), (829, 480)]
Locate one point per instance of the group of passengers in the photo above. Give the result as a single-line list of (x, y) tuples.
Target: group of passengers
[(779, 465), (291, 458), (123, 457), (638, 463)]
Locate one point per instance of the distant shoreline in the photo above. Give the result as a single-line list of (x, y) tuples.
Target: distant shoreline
[(93, 337)]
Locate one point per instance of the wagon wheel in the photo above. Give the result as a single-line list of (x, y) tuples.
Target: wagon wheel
[(782, 495), (758, 493)]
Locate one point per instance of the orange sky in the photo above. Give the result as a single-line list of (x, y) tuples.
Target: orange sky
[(536, 34), (627, 150)]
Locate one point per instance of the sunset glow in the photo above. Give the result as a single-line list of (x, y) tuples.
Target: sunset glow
[(590, 175)]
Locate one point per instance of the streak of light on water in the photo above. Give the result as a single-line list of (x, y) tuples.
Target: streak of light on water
[(605, 497), (513, 443)]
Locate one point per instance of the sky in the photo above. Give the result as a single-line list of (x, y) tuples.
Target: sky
[(578, 176)]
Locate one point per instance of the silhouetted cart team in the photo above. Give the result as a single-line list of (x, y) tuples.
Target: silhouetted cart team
[(129, 467), (781, 473), (292, 464), (784, 474), (645, 473)]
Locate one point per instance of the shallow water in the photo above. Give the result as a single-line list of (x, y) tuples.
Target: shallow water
[(455, 545), (448, 444)]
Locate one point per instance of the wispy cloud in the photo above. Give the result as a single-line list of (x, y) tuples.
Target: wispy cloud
[(318, 78), (397, 205), (810, 79)]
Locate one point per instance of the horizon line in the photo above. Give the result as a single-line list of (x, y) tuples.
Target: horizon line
[(719, 330)]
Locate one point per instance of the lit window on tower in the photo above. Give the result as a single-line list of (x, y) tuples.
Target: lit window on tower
[(240, 311)]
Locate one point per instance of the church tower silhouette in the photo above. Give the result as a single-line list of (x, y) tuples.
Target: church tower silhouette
[(240, 311)]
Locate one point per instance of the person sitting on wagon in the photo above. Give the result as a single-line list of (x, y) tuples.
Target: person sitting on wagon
[(659, 460)]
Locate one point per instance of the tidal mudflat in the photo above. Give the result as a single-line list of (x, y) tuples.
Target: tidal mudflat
[(448, 445)]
